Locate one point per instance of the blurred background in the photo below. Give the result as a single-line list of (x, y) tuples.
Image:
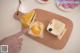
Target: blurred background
[(9, 26)]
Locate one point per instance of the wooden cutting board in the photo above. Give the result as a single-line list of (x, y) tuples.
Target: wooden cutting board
[(49, 40)]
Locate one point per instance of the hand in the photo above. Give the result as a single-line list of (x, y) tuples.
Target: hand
[(14, 43)]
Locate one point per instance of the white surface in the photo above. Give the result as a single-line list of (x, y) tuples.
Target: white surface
[(9, 26)]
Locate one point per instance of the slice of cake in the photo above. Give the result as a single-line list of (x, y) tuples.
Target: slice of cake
[(36, 29), (56, 28), (27, 18)]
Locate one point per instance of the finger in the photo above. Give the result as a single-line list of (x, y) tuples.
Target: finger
[(20, 39), (24, 30), (18, 34), (19, 46), (19, 49), (20, 43)]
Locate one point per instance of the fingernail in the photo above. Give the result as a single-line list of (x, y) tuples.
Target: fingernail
[(21, 37)]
